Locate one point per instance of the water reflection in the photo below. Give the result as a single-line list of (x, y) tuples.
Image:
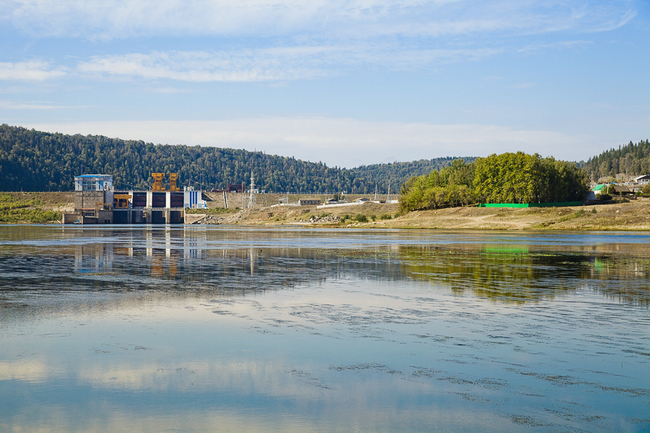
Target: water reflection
[(519, 274), (188, 261), (217, 329)]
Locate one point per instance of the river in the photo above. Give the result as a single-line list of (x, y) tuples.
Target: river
[(210, 329)]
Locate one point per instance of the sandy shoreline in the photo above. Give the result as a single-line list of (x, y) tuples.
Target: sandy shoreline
[(633, 215)]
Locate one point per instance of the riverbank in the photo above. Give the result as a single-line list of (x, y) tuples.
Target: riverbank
[(633, 215)]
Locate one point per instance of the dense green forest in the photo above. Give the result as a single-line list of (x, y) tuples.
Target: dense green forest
[(506, 178), (39, 161), (632, 159)]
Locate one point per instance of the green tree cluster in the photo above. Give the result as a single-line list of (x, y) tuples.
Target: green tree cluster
[(505, 178), (522, 178), (447, 187)]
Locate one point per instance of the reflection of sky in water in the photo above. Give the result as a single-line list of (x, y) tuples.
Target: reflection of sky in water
[(169, 330)]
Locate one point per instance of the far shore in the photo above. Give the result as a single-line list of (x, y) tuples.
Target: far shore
[(631, 215)]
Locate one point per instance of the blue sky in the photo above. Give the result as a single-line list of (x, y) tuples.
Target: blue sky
[(346, 82)]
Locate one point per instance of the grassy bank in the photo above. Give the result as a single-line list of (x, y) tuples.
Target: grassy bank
[(634, 215), (33, 207)]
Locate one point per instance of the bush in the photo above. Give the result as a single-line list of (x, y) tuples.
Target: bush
[(604, 197), (384, 216), (361, 218)]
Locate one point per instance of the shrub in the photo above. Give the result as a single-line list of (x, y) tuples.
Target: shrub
[(361, 218), (384, 216)]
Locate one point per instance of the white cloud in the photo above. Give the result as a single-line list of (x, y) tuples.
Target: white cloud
[(248, 65), (333, 18), (31, 70), (343, 141), (270, 64)]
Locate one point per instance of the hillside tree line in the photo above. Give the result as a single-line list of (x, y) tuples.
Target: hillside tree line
[(39, 161), (632, 159)]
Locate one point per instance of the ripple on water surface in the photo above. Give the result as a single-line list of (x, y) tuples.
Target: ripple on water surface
[(231, 329)]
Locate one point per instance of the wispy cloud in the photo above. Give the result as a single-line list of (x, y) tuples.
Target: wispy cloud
[(271, 64), (284, 40), (329, 18), (560, 45), (198, 66), (31, 70), (11, 105), (521, 85)]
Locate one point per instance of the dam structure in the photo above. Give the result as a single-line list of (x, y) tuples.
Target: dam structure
[(98, 202)]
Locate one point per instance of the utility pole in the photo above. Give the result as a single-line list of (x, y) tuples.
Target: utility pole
[(251, 199)]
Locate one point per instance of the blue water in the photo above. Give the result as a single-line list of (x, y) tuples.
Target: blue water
[(257, 330)]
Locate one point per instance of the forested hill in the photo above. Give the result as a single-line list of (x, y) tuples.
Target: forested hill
[(39, 161), (397, 173), (633, 159)]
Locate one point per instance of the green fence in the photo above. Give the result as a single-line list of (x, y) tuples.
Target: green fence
[(560, 204)]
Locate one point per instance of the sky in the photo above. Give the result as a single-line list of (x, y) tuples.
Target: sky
[(344, 82)]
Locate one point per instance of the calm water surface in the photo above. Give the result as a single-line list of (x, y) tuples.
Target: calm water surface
[(293, 330)]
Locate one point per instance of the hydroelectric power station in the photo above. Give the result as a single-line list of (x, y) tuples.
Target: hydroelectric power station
[(98, 202)]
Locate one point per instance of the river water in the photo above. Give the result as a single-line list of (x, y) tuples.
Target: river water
[(213, 329)]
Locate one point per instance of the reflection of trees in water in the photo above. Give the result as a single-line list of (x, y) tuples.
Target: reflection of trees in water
[(36, 281), (190, 263), (515, 274), (116, 267)]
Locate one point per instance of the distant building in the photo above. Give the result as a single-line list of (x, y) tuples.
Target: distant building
[(621, 190), (93, 182), (309, 202), (599, 189), (642, 179)]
